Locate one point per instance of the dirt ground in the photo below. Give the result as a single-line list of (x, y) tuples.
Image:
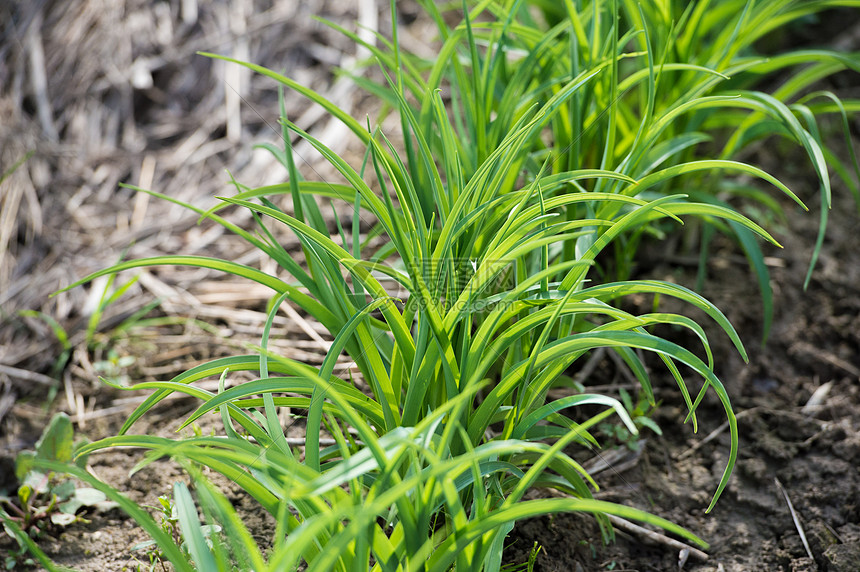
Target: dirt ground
[(108, 95), (798, 407)]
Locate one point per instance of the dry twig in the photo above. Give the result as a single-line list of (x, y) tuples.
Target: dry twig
[(794, 517), (656, 537)]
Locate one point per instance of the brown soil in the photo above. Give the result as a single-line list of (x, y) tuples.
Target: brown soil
[(812, 450), (98, 121)]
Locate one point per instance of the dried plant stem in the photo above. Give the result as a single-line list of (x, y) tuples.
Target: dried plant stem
[(628, 526)]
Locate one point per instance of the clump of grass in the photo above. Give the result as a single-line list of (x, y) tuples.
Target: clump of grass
[(671, 100), (568, 131)]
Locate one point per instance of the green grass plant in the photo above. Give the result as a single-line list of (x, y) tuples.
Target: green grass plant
[(672, 100), (538, 148)]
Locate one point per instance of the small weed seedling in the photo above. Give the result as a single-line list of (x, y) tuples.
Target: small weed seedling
[(639, 414), (45, 500), (169, 514)]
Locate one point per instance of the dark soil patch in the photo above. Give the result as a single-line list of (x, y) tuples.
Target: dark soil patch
[(71, 219), (811, 446)]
